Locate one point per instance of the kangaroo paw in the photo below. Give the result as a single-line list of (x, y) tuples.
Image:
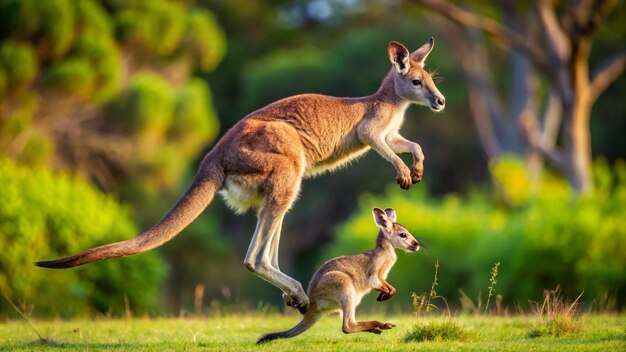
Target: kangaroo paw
[(301, 306), (382, 297), (388, 326)]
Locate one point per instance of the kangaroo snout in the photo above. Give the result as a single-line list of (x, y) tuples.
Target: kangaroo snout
[(438, 104), (415, 246)]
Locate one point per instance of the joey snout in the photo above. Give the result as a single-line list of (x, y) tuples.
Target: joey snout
[(415, 246)]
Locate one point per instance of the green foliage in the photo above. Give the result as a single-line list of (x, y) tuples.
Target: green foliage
[(146, 106), (37, 148), (92, 18), (103, 58), (204, 39), (192, 124), (44, 216), (18, 120), (72, 77), (49, 23), (156, 26), (543, 241), (282, 75), (437, 330), (18, 66), (76, 47)]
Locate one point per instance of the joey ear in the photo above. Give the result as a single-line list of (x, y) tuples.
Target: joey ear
[(399, 57), (391, 214), (381, 219), (421, 54)]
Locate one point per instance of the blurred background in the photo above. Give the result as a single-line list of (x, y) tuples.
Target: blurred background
[(107, 107)]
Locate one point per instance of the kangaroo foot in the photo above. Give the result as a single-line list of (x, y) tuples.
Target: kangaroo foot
[(383, 326), (417, 171), (300, 304), (388, 326)]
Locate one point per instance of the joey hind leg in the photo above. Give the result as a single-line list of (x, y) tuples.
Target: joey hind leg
[(350, 324)]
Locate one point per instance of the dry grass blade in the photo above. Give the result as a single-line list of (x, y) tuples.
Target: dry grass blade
[(558, 317), (40, 338)]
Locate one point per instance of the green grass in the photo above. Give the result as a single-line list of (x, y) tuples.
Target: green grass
[(445, 329), (239, 333)]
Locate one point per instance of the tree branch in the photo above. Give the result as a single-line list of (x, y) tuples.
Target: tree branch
[(606, 73), (528, 125), (504, 35), (589, 17), (482, 98), (556, 40), (552, 117)]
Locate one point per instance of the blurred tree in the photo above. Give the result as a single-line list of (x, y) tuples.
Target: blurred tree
[(105, 89), (551, 86), (110, 90)]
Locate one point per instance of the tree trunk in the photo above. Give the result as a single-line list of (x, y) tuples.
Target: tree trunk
[(577, 114)]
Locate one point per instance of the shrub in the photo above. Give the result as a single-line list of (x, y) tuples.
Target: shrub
[(44, 216)]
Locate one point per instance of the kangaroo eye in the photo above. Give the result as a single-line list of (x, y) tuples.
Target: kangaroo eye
[(416, 82), (402, 234)]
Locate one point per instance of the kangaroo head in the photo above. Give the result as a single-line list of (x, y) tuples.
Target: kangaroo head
[(394, 233), (411, 81)]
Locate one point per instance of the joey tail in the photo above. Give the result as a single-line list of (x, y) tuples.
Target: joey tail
[(305, 324), (197, 197)]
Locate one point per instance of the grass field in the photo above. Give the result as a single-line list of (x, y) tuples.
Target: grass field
[(239, 333)]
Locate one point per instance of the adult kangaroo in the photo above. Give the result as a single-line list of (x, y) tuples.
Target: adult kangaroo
[(261, 162)]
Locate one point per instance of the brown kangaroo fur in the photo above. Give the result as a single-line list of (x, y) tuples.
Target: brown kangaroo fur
[(261, 161), (341, 283)]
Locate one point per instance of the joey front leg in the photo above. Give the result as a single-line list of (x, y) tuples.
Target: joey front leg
[(403, 177), (399, 144), (386, 292)]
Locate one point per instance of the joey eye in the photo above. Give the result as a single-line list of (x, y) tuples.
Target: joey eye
[(416, 82), (402, 234)]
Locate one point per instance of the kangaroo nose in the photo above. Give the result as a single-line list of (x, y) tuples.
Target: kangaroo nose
[(441, 101)]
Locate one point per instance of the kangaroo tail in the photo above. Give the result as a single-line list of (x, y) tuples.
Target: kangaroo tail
[(305, 324), (189, 206)]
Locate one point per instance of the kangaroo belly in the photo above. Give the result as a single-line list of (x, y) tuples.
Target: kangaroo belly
[(240, 195), (336, 161)]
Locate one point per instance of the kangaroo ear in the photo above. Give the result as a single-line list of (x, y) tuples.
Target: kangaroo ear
[(421, 54), (391, 214), (399, 57), (381, 219)]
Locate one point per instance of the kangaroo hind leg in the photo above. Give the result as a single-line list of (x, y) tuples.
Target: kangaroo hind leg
[(280, 190)]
